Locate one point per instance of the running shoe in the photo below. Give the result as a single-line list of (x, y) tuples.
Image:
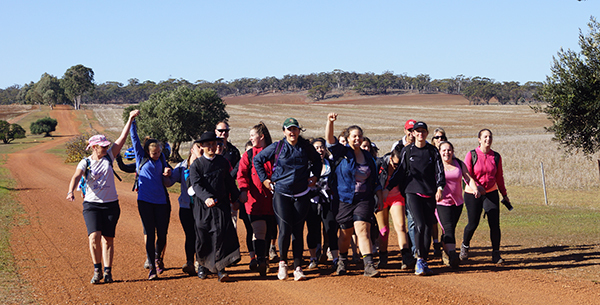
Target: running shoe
[(445, 258), (223, 276), (422, 268), (273, 253), (283, 271), (152, 274), (108, 277), (496, 259), (253, 265), (464, 252), (313, 263), (160, 266), (97, 276), (189, 269), (370, 270), (147, 264), (341, 267), (298, 274)]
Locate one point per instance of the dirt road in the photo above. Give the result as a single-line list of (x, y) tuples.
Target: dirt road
[(52, 255)]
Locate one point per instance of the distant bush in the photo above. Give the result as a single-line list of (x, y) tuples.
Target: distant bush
[(9, 132), (44, 125), (75, 147)]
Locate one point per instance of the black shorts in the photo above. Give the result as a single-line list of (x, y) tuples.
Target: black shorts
[(358, 211), (101, 217)]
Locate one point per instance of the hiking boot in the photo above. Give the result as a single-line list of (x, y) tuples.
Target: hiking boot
[(253, 265), (313, 264), (262, 267), (370, 270), (299, 274), (152, 274), (147, 264), (454, 260), (189, 269), (108, 277), (282, 274), (97, 276), (202, 272), (408, 260), (341, 267), (273, 253), (160, 266), (464, 252), (437, 249), (445, 258), (496, 259), (383, 260), (223, 276)]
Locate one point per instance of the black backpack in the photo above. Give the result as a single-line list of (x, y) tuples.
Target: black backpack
[(474, 158)]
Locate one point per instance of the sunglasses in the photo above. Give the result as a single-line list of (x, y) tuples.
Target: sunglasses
[(440, 137), (220, 143), (223, 130)]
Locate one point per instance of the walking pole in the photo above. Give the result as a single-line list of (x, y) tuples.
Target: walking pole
[(544, 183)]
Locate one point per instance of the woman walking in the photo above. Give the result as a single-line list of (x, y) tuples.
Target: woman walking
[(256, 198), (153, 200), (293, 161), (101, 209), (421, 174), (449, 207), (355, 185), (485, 166)]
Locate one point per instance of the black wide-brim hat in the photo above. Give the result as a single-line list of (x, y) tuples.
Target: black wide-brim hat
[(207, 137)]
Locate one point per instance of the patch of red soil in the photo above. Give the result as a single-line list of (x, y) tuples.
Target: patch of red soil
[(50, 248)]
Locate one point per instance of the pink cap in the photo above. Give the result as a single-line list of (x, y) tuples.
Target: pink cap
[(98, 140), (409, 124)]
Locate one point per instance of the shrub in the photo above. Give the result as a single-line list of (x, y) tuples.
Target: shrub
[(9, 132), (76, 147), (44, 125)]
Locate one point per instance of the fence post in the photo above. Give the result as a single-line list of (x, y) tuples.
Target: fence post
[(544, 183)]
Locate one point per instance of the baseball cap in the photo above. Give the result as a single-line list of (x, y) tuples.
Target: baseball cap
[(289, 122), (420, 125), (409, 124)]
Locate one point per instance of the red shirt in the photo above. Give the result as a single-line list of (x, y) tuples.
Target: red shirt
[(260, 199)]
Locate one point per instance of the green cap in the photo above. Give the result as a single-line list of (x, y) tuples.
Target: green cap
[(289, 122)]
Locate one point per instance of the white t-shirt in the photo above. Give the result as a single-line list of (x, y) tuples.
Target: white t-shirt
[(100, 186)]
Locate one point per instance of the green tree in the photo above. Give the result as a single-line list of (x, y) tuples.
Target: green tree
[(318, 92), (44, 125), (77, 80), (48, 90), (179, 115), (573, 94), (9, 132)]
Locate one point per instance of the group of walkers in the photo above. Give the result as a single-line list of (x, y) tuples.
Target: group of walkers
[(337, 186)]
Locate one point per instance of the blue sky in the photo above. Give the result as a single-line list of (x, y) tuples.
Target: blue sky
[(208, 40)]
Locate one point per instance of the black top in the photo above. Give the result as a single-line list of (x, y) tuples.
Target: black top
[(211, 179), (421, 171)]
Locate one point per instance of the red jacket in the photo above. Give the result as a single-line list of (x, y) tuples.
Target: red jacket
[(260, 199)]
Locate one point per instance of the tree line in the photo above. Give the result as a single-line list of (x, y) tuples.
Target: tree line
[(77, 87)]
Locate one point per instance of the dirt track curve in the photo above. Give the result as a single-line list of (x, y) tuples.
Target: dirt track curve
[(52, 255)]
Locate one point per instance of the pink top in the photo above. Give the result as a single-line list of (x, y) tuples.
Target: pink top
[(453, 194), (485, 172)]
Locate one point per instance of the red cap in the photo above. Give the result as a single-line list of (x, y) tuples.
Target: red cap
[(409, 124)]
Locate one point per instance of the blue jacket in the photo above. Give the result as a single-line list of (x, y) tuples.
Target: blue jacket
[(345, 171), (179, 175), (150, 183), (292, 168)]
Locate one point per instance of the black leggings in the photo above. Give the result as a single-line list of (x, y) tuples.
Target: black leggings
[(313, 225), (489, 202), (422, 211), (291, 213), (186, 217), (248, 225), (155, 219), (449, 216)]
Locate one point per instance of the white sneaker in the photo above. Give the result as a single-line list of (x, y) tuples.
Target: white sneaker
[(298, 274), (313, 264), (283, 271)]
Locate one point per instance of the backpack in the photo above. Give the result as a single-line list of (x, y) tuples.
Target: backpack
[(474, 158), (83, 181)]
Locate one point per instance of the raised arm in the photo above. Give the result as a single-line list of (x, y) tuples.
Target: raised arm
[(329, 137), (116, 148)]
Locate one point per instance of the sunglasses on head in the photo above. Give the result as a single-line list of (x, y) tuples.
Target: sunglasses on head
[(223, 130)]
